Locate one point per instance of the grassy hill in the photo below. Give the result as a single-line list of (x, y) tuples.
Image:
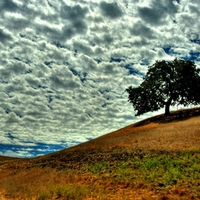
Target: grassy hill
[(157, 158)]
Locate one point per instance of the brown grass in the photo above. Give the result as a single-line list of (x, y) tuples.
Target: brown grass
[(176, 132), (7, 159), (63, 173)]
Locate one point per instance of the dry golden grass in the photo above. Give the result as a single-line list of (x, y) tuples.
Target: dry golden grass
[(154, 134), (46, 184), (6, 159), (87, 171)]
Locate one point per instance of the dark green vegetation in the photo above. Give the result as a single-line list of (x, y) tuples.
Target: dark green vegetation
[(166, 83)]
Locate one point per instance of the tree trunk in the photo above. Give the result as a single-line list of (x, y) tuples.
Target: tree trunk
[(167, 105)]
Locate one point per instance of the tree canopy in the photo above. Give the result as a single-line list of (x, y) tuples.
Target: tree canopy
[(166, 83)]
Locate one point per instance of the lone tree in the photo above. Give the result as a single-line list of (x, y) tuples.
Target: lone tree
[(166, 83)]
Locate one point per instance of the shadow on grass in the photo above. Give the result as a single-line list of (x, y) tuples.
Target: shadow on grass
[(174, 116)]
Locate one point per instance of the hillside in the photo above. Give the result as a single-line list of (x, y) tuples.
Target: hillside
[(157, 158), (179, 131), (6, 159)]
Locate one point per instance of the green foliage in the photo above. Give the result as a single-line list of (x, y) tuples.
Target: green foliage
[(98, 167), (167, 169), (166, 83)]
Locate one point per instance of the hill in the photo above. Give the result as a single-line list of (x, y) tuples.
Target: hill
[(179, 131), (157, 158)]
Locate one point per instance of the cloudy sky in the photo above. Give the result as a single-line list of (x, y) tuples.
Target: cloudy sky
[(65, 65)]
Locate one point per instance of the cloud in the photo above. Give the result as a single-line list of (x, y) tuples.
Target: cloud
[(8, 5), (111, 10), (158, 12), (5, 36), (74, 13), (143, 31), (65, 65), (62, 77)]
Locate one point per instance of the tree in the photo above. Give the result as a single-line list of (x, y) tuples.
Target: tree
[(166, 83)]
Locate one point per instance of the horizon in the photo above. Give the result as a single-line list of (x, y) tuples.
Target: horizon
[(65, 66)]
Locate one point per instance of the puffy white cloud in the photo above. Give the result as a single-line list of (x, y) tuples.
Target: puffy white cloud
[(65, 65)]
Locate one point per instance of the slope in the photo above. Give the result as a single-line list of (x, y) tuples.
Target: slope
[(179, 131), (157, 158)]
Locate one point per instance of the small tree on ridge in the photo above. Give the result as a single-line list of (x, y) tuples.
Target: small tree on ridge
[(166, 83)]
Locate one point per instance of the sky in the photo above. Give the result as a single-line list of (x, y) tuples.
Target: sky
[(65, 65)]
